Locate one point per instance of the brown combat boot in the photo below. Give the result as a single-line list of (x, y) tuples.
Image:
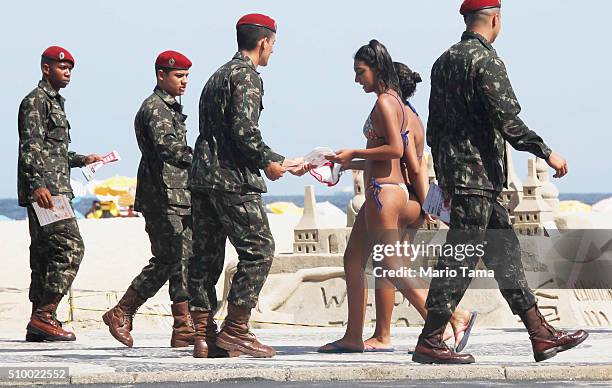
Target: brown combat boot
[(31, 337), (235, 335), (206, 336), (546, 341), (431, 349), (119, 318), (183, 332), (43, 326)]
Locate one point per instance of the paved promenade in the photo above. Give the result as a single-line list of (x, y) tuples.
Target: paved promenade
[(501, 354)]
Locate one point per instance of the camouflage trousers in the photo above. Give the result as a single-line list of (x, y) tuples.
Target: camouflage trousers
[(170, 237), (241, 218), (56, 251), (476, 220)]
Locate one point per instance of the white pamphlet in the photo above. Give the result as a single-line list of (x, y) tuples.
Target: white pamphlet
[(90, 169), (62, 210), (436, 203), (317, 156)]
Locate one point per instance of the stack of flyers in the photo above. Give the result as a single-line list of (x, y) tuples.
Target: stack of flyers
[(437, 204), (62, 210), (90, 169)]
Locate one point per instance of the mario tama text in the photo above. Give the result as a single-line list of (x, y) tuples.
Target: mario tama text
[(430, 273)]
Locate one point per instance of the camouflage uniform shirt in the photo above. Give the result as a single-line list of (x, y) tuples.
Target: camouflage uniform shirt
[(472, 112), (44, 136), (230, 151), (166, 157)]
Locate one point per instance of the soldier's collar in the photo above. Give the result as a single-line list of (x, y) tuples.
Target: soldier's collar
[(474, 35), (165, 96), (47, 88), (243, 57)]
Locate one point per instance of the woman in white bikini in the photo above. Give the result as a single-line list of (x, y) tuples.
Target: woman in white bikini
[(397, 185)]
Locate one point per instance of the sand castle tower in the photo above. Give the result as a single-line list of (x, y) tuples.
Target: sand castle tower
[(550, 193), (316, 236), (513, 194), (532, 212), (358, 200)]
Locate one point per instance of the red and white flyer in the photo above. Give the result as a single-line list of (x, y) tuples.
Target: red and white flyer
[(90, 169), (437, 203)]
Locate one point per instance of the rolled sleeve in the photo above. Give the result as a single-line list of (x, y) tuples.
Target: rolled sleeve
[(76, 160)]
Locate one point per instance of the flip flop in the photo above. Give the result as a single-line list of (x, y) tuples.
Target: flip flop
[(466, 332), (371, 349), (336, 349)]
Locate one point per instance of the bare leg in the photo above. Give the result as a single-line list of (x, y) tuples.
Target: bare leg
[(355, 258), (382, 221), (385, 301)]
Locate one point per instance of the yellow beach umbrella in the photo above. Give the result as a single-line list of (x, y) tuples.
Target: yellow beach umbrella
[(121, 187), (284, 208), (574, 206)]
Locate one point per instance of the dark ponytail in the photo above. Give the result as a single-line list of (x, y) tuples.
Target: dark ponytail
[(408, 79), (376, 56)]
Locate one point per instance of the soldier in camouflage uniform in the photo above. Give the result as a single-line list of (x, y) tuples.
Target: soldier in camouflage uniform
[(226, 187), (164, 199), (473, 111), (44, 167)]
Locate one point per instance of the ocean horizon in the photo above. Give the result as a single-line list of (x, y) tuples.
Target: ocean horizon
[(10, 209)]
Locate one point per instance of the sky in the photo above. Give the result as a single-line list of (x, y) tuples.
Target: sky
[(557, 58)]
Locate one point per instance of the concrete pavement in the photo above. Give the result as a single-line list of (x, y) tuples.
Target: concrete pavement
[(501, 354)]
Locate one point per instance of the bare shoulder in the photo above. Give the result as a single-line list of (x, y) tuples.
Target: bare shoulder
[(386, 104), (385, 101)]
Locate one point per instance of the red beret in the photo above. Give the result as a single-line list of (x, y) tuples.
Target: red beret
[(59, 54), (470, 6), (257, 19), (172, 60)]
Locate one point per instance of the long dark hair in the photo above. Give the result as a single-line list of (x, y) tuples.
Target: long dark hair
[(408, 79), (376, 56)]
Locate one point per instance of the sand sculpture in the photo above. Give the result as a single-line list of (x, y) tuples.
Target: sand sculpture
[(313, 235), (532, 212), (513, 194)]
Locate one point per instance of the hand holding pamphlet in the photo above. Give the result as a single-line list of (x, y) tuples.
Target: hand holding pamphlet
[(90, 169), (62, 210), (437, 203), (316, 157), (324, 171)]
